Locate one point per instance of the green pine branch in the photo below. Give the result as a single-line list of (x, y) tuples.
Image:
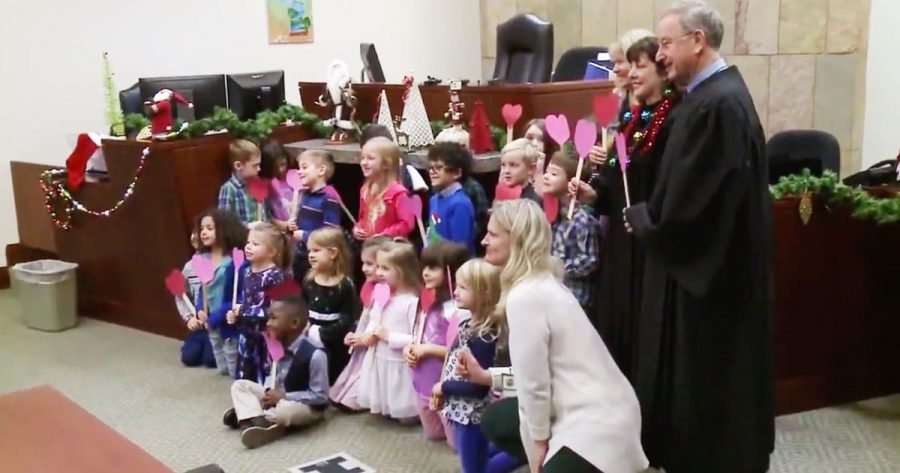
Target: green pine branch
[(835, 193)]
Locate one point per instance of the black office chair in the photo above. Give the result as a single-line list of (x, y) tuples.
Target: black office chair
[(524, 50), (791, 151), (572, 63), (131, 101)]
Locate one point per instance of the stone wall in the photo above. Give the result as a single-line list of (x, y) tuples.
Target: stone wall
[(804, 60)]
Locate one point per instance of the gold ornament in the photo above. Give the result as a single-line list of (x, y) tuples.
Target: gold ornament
[(638, 135), (806, 208)]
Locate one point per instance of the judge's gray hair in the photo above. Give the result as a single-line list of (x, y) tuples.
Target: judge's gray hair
[(697, 15)]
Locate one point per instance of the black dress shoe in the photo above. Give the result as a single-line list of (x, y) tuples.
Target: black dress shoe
[(229, 418)]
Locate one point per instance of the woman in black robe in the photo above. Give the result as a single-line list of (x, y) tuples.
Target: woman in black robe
[(645, 127)]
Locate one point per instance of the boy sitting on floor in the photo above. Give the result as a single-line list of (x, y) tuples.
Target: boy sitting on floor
[(296, 392)]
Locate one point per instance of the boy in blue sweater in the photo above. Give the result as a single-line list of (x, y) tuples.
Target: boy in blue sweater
[(451, 214)]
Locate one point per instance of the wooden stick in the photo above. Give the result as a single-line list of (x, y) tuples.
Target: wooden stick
[(509, 133), (347, 211), (187, 300), (205, 290), (577, 179), (235, 287), (259, 211), (627, 193), (604, 138), (295, 201), (421, 229)]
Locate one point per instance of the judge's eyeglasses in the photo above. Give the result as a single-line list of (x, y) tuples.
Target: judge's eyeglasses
[(666, 43)]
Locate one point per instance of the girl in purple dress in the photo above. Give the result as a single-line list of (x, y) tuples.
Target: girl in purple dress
[(425, 355), (268, 253)]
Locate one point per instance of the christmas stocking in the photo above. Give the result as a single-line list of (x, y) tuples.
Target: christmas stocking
[(87, 146)]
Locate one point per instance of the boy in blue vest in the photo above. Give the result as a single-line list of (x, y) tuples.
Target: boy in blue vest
[(451, 214), (296, 391)]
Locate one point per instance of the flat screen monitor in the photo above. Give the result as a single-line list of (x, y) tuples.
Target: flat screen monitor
[(205, 92), (249, 94), (371, 64)]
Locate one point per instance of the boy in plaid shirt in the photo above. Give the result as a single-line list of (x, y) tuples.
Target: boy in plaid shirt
[(244, 158), (576, 241)]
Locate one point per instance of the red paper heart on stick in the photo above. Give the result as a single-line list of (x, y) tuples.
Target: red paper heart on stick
[(605, 108), (410, 207), (426, 298), (505, 191), (203, 268), (293, 179), (551, 207), (175, 283), (558, 128), (259, 189), (511, 113)]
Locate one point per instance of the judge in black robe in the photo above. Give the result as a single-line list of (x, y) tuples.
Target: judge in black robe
[(704, 374)]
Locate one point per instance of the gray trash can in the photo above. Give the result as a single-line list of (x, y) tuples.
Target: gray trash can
[(46, 292)]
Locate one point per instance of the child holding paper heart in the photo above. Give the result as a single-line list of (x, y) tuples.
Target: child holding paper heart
[(344, 391), (386, 387), (274, 168), (244, 158), (425, 355), (196, 349), (219, 233), (268, 254), (381, 196), (576, 240), (518, 164), (316, 207)]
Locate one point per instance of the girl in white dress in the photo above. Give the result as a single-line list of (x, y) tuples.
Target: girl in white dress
[(385, 384)]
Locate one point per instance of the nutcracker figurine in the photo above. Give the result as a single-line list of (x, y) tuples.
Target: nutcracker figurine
[(339, 95)]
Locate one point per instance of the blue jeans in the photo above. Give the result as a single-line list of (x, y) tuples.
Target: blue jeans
[(501, 462), (471, 446)]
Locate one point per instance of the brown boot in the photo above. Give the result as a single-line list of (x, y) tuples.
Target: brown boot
[(262, 432)]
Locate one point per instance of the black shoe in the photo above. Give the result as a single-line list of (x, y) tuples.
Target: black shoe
[(230, 419), (261, 433)]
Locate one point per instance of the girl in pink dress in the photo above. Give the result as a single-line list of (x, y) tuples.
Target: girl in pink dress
[(425, 355), (382, 195), (274, 167), (343, 393), (385, 386)]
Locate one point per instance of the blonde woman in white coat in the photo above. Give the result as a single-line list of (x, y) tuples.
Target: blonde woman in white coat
[(577, 411)]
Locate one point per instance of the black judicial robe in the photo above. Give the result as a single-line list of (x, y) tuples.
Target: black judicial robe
[(704, 377), (618, 300)]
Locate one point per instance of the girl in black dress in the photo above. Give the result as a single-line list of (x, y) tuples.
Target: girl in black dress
[(645, 129), (330, 295)]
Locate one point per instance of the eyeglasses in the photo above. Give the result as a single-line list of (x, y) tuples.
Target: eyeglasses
[(437, 168), (666, 43)]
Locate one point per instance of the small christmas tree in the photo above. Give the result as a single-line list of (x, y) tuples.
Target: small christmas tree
[(114, 117), (415, 118), (384, 115), (479, 131)]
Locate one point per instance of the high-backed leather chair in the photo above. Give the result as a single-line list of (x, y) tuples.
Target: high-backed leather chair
[(791, 151), (572, 63), (524, 50), (131, 101)]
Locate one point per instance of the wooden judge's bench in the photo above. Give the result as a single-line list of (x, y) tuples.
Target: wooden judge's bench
[(837, 307)]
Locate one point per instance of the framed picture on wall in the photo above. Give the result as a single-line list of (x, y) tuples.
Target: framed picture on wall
[(290, 21)]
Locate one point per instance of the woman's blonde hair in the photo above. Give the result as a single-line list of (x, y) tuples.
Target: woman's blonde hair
[(332, 239), (277, 240), (483, 280), (389, 153), (524, 148), (401, 254), (624, 43), (529, 244)]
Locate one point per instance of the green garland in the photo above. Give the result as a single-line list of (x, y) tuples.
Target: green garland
[(834, 193)]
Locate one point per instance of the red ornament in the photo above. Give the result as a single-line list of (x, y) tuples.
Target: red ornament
[(479, 132)]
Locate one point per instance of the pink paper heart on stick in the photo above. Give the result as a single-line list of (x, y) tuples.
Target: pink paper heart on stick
[(258, 188), (410, 207), (452, 327), (605, 108), (175, 283), (585, 137), (505, 191), (293, 179), (511, 113), (622, 152), (203, 268), (380, 295), (237, 256), (551, 207), (558, 128), (274, 347), (332, 193)]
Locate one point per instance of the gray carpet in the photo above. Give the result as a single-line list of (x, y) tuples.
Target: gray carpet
[(134, 383)]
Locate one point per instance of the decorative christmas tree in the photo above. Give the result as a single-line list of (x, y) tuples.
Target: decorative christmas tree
[(415, 118), (114, 117), (384, 115), (479, 131)]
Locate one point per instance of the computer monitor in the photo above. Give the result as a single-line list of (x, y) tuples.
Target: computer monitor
[(205, 92), (371, 64), (249, 94)]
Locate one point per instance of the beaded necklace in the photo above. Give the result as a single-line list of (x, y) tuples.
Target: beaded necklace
[(642, 140)]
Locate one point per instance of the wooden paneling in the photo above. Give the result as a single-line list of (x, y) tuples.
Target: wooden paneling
[(35, 229), (538, 100)]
